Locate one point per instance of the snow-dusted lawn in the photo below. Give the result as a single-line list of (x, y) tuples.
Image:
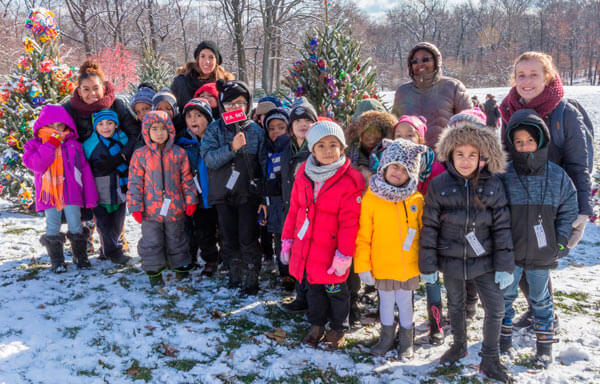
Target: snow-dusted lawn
[(107, 325)]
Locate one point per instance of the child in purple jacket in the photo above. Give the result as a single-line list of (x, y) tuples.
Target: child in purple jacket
[(63, 183)]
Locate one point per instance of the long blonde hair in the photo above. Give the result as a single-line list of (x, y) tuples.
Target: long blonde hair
[(543, 58)]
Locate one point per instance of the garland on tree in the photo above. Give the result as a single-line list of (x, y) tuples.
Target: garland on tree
[(40, 78), (330, 73)]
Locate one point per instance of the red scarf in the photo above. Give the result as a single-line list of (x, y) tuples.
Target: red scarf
[(105, 102), (543, 104)]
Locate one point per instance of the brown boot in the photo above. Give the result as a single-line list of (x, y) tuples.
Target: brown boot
[(314, 336), (335, 339)]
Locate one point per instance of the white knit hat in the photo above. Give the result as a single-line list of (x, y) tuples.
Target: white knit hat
[(322, 129)]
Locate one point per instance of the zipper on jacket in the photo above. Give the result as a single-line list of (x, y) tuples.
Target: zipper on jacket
[(466, 230), (162, 174)]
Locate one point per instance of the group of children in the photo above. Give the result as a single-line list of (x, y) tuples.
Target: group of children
[(383, 209)]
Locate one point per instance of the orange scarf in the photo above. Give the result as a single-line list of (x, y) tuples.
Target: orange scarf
[(53, 177)]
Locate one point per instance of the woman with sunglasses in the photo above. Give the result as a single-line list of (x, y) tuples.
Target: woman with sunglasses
[(430, 94)]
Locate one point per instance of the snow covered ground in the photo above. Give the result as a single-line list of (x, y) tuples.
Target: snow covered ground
[(106, 325)]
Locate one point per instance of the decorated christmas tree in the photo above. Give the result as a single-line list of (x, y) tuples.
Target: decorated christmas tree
[(40, 78), (330, 72)]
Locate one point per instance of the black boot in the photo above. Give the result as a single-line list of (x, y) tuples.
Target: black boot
[(354, 315), (544, 340), (156, 279), (54, 247), (525, 321), (119, 258), (506, 336), (250, 286), (493, 369), (405, 343), (457, 351), (183, 272), (436, 333), (79, 248), (209, 269), (386, 340), (235, 274)]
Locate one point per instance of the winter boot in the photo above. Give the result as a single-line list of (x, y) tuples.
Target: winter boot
[(436, 333), (235, 274), (457, 351), (288, 283), (405, 343), (335, 339), (79, 248), (544, 339), (314, 336), (250, 286), (525, 321), (492, 368), (354, 315), (209, 269), (156, 279), (386, 340), (119, 258), (182, 273), (295, 307), (506, 335), (54, 247)]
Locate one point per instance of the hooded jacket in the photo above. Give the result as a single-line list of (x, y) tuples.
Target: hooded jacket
[(191, 144), (157, 174), (38, 156), (450, 212), (539, 192), (438, 102)]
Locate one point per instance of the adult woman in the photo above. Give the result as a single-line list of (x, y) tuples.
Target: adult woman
[(430, 94), (537, 85), (205, 68)]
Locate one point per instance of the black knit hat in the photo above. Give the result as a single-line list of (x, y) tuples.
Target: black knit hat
[(229, 90), (277, 113), (201, 106), (208, 44), (302, 109)]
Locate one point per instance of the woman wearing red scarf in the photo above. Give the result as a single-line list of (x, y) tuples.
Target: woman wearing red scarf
[(537, 86)]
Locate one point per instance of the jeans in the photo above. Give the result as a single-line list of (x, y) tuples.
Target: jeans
[(539, 295), (53, 220), (493, 306)]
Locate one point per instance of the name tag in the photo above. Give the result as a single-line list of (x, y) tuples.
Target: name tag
[(540, 235), (302, 231), (232, 179), (410, 237), (268, 201), (197, 183), (165, 207), (475, 244)]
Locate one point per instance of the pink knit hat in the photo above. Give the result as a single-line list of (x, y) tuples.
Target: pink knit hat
[(474, 116), (418, 122)]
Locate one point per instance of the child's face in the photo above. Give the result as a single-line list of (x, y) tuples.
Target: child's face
[(239, 102), (106, 128), (196, 122), (60, 127), (408, 132), (370, 138), (300, 128), (327, 150), (166, 107), (141, 109), (159, 133), (91, 89), (396, 175), (276, 128), (212, 101), (523, 141), (465, 159)]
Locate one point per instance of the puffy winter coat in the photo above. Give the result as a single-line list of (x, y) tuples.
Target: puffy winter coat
[(156, 175), (450, 214), (539, 192), (492, 112), (187, 82), (383, 230), (291, 159), (78, 190), (332, 223), (191, 144), (438, 102)]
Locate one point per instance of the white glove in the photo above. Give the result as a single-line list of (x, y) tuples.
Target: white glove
[(367, 278), (578, 229)]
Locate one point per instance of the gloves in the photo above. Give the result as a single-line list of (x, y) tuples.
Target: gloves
[(286, 251), (430, 278), (562, 251), (55, 139), (137, 216), (340, 264), (190, 209), (367, 277), (578, 228), (503, 279)]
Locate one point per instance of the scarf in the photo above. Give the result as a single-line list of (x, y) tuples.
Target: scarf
[(114, 145), (53, 177), (87, 109), (543, 104), (427, 159), (322, 173), (386, 191)]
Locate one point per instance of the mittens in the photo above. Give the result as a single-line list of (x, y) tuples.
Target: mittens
[(190, 209), (137, 216), (367, 277), (578, 228), (503, 279), (286, 251), (340, 264), (430, 278), (55, 139)]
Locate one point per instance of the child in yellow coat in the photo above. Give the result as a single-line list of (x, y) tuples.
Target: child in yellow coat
[(387, 245)]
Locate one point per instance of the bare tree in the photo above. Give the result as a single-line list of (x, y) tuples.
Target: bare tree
[(83, 17), (182, 9)]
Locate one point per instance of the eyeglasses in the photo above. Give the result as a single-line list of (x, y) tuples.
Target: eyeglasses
[(423, 60), (237, 104)]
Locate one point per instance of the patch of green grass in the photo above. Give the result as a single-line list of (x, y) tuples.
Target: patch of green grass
[(313, 374), (239, 331), (578, 296), (169, 312), (31, 274), (248, 379), (525, 360), (83, 372), (10, 332), (18, 231), (124, 281), (183, 364), (447, 370), (138, 372), (71, 332)]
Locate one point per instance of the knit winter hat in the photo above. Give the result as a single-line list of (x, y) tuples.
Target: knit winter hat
[(230, 90), (366, 105), (322, 129), (201, 106), (302, 109), (144, 94), (403, 152), (473, 116), (266, 104), (105, 114), (418, 122), (209, 88), (165, 94), (277, 113), (208, 44)]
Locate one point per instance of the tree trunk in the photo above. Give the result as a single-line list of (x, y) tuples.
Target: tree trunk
[(266, 62)]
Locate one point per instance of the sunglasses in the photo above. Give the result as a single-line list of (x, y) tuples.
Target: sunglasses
[(423, 60)]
